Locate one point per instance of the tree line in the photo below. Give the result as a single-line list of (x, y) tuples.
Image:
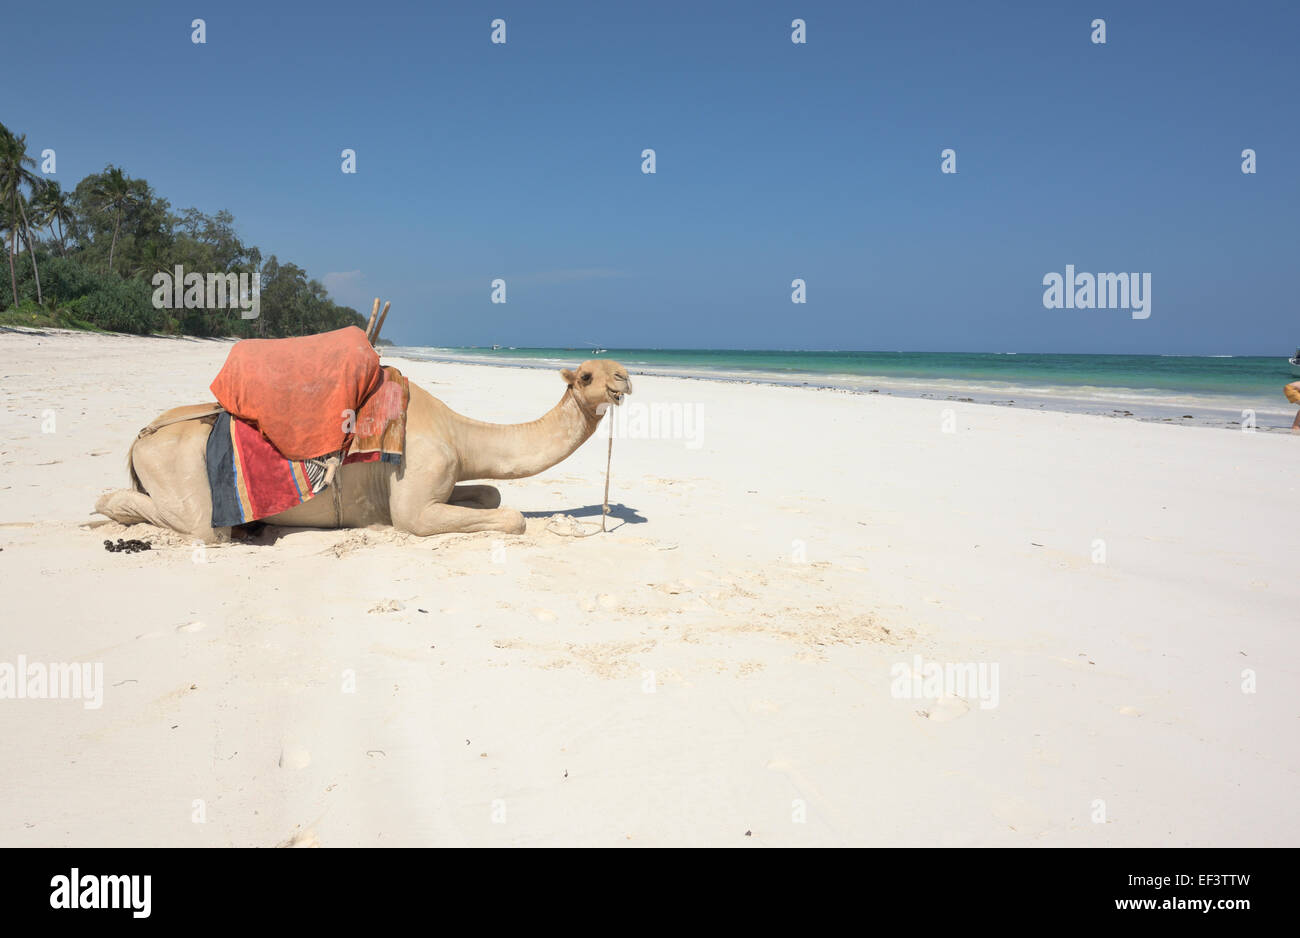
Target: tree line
[(85, 258)]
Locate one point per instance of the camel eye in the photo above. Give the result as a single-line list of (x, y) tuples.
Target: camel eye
[(586, 377)]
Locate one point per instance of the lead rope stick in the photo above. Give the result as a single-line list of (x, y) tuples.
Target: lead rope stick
[(609, 459)]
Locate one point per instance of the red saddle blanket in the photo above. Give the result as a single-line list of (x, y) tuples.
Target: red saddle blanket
[(303, 394)]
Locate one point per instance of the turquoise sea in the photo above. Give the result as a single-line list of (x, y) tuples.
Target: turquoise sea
[(1200, 389)]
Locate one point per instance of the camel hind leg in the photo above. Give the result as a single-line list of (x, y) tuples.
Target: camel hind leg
[(127, 506), (172, 474)]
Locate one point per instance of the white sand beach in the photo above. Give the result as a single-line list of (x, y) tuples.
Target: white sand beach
[(716, 670)]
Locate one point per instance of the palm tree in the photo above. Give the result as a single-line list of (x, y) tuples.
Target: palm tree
[(14, 174), (31, 244), (52, 204), (5, 225), (8, 149), (114, 191)]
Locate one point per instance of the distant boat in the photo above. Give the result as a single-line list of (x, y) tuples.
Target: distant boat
[(1295, 363), (495, 347), (599, 351)]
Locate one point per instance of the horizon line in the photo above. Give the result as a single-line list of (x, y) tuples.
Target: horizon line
[(838, 351)]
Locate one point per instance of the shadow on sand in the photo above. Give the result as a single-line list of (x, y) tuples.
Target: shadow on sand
[(617, 510)]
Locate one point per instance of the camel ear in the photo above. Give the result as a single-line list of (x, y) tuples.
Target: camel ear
[(568, 376)]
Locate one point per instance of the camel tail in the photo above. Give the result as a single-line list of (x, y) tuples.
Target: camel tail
[(136, 484)]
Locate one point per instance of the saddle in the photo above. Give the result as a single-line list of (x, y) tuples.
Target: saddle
[(251, 480), (303, 394)]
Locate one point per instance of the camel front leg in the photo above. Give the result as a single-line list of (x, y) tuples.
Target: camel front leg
[(439, 518), (476, 496)]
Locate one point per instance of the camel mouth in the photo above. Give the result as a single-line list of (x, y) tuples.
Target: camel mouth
[(616, 397)]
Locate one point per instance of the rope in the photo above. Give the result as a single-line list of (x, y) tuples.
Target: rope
[(572, 521), (333, 481), (155, 427), (604, 507), (336, 483)]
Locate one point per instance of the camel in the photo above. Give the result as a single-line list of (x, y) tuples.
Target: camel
[(422, 496)]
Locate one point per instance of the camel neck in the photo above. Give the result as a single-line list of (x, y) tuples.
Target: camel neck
[(515, 451)]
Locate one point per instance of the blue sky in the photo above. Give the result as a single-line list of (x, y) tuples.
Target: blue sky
[(774, 161)]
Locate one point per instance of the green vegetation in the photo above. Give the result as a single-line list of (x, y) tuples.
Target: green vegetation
[(85, 259)]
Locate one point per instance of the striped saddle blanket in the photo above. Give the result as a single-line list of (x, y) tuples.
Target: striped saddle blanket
[(250, 479)]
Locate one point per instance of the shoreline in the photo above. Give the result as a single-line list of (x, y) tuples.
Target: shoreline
[(1142, 405)]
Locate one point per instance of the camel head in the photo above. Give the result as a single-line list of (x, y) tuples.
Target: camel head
[(598, 383)]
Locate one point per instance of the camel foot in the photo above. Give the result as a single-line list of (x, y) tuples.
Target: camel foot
[(126, 506)]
